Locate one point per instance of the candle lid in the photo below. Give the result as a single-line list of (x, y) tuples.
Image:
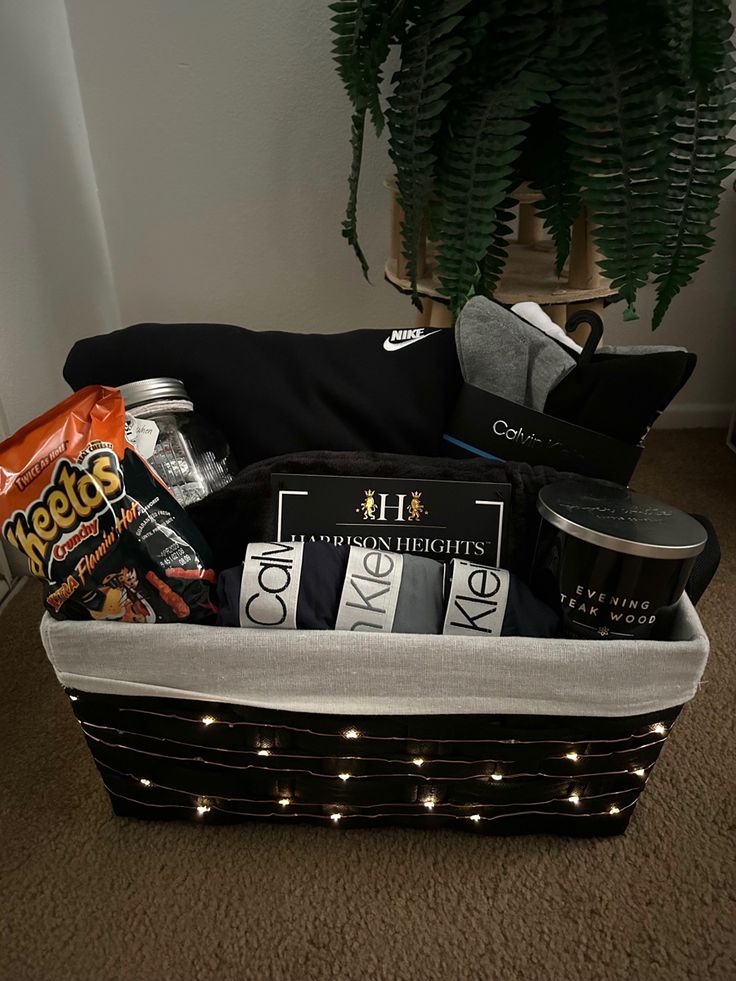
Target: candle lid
[(619, 519)]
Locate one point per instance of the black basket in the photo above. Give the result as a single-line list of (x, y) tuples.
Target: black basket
[(346, 729), (216, 763)]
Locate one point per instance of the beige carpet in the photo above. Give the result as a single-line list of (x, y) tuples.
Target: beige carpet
[(90, 897)]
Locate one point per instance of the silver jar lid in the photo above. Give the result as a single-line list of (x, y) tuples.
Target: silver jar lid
[(621, 520), (152, 390)]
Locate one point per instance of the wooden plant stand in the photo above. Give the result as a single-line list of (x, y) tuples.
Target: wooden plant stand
[(529, 274)]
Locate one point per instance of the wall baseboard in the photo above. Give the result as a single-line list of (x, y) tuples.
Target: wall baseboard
[(694, 415)]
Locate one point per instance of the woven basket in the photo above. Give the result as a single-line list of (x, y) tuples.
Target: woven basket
[(509, 735)]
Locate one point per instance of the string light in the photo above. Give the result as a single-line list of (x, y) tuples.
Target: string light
[(344, 776), (207, 720), (641, 772), (351, 733), (317, 773), (74, 698), (204, 806), (436, 739), (496, 776), (431, 799), (572, 755), (264, 752), (660, 728), (418, 761), (145, 782), (304, 756), (316, 732)]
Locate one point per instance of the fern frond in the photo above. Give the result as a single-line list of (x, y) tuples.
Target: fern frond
[(362, 31), (475, 177), (549, 170), (576, 27), (698, 32), (350, 221), (618, 156), (430, 52), (493, 262), (698, 161), (348, 25)]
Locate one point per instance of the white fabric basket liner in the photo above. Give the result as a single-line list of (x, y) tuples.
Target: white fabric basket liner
[(392, 674)]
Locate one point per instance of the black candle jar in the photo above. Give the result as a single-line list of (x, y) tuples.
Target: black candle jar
[(617, 559)]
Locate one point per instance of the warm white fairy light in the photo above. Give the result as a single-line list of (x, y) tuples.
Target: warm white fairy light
[(145, 782), (264, 752), (351, 733), (207, 720), (285, 801), (475, 818), (640, 772), (344, 776), (203, 809), (574, 798), (335, 817), (497, 776), (572, 755), (429, 804), (418, 761), (614, 810), (660, 728), (74, 698)]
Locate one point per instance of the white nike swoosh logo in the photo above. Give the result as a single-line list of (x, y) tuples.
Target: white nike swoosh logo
[(389, 345)]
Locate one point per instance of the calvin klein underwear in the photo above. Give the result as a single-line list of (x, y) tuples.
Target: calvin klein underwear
[(286, 586), (319, 586), (494, 602)]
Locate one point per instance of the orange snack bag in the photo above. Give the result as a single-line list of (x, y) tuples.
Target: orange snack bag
[(94, 521)]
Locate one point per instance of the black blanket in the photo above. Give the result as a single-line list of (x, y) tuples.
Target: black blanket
[(243, 511)]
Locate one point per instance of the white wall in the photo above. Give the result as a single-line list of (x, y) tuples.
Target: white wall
[(54, 274), (218, 132)]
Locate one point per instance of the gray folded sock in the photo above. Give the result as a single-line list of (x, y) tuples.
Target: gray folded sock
[(506, 356)]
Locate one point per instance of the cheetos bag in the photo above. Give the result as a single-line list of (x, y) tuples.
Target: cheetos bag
[(95, 523)]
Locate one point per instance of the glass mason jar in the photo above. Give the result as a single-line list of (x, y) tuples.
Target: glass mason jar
[(191, 457)]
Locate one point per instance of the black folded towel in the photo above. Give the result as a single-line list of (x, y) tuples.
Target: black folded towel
[(272, 392), (621, 395)]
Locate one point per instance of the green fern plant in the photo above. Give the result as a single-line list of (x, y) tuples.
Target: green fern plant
[(621, 106)]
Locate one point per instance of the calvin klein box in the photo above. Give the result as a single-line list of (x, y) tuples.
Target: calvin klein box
[(489, 426)]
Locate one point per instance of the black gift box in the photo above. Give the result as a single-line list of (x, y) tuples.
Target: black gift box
[(489, 426)]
